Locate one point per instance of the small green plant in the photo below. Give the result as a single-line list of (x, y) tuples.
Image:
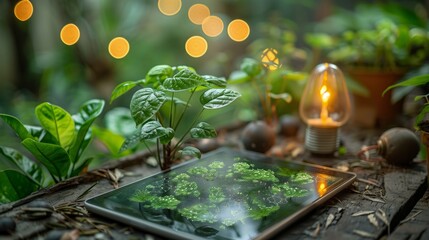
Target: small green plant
[(420, 122), (384, 37), (57, 144), (269, 85), (159, 113)]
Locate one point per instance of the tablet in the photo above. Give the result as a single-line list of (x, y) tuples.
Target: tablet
[(228, 194)]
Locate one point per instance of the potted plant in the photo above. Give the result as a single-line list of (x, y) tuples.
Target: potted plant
[(159, 112), (376, 45), (421, 122)]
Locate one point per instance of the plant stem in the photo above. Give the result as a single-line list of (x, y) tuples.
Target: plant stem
[(152, 153), (261, 97), (184, 110), (171, 110), (179, 143)]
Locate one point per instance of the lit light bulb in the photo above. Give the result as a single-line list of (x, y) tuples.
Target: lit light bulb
[(324, 107)]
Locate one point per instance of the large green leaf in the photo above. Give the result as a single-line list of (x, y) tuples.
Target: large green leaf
[(153, 130), (41, 134), (15, 185), (119, 120), (57, 122), (203, 130), (84, 119), (123, 88), (158, 74), (414, 81), (16, 125), (215, 81), (131, 141), (145, 103), (183, 80), (190, 151), (218, 98), (12, 159), (110, 139), (52, 156)]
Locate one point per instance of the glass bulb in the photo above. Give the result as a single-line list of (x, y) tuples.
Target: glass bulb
[(325, 107), (325, 101)]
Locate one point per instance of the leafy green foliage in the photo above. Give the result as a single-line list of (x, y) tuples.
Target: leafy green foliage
[(269, 86), (415, 81), (57, 146), (161, 89)]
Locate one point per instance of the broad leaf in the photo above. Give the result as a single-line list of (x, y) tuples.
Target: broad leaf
[(215, 81), (183, 80), (168, 136), (12, 159), (251, 67), (218, 98), (119, 121), (53, 157), (16, 125), (178, 101), (203, 130), (154, 130), (158, 74), (131, 141), (15, 185), (111, 140), (414, 81), (57, 122), (123, 88), (84, 119), (41, 134), (238, 77), (190, 151), (145, 103)]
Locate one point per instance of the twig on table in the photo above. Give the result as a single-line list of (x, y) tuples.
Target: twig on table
[(411, 218)]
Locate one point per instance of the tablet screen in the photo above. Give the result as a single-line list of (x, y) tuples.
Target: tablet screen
[(227, 194)]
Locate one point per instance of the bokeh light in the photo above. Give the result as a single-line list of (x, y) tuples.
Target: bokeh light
[(169, 7), (23, 10), (119, 47), (212, 26), (198, 12), (196, 46), (70, 34), (238, 30), (269, 59)]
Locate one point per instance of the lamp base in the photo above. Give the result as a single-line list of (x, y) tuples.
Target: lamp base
[(322, 140)]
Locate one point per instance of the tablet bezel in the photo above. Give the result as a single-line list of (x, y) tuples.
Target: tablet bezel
[(347, 179)]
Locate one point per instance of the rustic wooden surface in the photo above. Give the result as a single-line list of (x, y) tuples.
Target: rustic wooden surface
[(398, 192)]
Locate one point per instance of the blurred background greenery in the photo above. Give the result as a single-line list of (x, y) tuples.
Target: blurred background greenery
[(36, 66)]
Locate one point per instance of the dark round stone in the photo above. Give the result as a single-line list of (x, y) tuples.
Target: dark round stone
[(258, 137), (399, 146), (289, 125)]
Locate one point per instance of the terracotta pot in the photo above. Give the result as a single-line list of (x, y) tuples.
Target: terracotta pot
[(375, 110), (424, 136)]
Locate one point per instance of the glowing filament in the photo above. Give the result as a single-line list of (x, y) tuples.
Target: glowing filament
[(325, 98)]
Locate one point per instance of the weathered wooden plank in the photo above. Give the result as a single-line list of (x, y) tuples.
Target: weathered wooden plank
[(416, 224), (402, 189)]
